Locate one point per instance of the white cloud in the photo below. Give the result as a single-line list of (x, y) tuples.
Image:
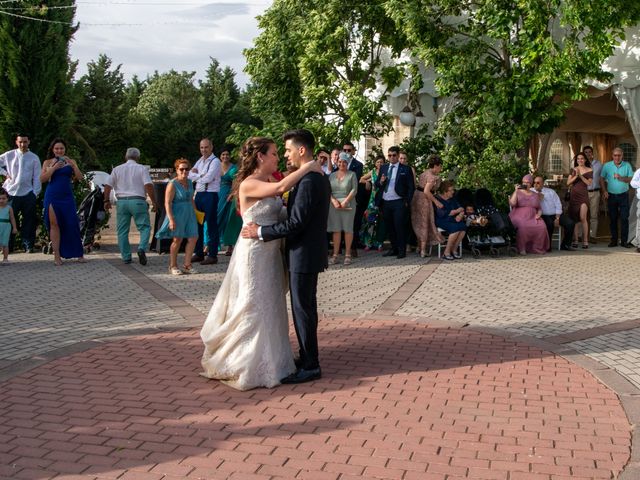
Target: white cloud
[(149, 35)]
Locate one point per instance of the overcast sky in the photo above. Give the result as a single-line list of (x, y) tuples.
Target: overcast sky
[(149, 35)]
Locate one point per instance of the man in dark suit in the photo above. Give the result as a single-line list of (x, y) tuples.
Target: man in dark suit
[(306, 249), (362, 195), (395, 191)]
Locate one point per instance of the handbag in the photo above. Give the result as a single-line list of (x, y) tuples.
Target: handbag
[(199, 216)]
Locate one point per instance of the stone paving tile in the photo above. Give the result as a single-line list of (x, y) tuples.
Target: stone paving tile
[(398, 400), (356, 289), (539, 296), (620, 351), (46, 307)]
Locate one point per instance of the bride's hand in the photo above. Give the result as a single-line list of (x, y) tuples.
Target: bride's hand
[(313, 166)]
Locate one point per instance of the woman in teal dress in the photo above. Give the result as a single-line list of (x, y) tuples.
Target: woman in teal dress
[(372, 230), (229, 222), (180, 221)]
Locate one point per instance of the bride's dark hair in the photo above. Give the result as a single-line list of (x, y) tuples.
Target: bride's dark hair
[(249, 160)]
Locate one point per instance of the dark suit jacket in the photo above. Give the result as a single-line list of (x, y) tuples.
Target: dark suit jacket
[(306, 228), (405, 183)]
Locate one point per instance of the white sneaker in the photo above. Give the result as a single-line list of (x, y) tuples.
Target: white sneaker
[(5, 262)]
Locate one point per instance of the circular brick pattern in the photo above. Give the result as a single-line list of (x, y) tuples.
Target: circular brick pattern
[(398, 400)]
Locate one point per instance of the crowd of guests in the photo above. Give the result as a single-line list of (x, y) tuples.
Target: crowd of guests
[(389, 202)]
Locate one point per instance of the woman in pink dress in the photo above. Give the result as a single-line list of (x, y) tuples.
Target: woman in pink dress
[(531, 235)]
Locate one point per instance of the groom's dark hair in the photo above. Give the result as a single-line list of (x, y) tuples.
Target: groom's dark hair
[(302, 138)]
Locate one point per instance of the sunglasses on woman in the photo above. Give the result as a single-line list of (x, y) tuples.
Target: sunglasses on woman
[(183, 169)]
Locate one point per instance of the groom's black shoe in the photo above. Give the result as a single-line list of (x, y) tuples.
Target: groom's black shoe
[(302, 376), (390, 253)]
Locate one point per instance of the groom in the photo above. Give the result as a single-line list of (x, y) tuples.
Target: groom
[(306, 247)]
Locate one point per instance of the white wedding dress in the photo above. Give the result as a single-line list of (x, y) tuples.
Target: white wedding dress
[(246, 334)]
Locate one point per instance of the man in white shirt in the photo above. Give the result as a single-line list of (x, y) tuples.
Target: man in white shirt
[(131, 182), (594, 193), (22, 171), (206, 175), (635, 183), (552, 215)]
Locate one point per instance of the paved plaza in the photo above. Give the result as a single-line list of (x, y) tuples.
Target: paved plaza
[(491, 368)]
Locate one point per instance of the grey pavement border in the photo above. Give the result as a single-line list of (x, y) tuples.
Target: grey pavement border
[(192, 315)]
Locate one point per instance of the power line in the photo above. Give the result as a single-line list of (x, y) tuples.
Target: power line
[(43, 20)]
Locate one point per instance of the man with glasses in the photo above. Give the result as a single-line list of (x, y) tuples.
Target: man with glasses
[(594, 193), (552, 215), (395, 191), (614, 182)]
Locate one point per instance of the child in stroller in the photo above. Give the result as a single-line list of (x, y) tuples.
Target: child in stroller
[(489, 229)]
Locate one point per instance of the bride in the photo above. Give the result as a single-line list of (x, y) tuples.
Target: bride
[(246, 334)]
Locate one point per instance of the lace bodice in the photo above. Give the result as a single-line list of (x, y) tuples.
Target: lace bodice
[(265, 212)]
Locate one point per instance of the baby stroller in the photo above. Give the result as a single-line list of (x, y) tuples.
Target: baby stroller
[(92, 215), (494, 233)]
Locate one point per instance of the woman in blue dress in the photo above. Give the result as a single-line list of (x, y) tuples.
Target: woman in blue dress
[(180, 221), (229, 222), (60, 216), (450, 218)]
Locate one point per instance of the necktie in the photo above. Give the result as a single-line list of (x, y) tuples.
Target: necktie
[(390, 173)]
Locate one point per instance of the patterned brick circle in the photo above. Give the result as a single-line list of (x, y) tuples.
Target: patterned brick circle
[(397, 401)]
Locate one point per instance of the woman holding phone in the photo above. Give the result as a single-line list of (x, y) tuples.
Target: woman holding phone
[(60, 215)]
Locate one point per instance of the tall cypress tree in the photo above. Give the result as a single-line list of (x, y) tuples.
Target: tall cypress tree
[(36, 93)]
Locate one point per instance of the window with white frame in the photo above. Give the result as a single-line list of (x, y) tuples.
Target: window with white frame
[(555, 156), (629, 152)]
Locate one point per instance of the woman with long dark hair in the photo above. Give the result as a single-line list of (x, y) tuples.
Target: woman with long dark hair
[(60, 217), (246, 334)]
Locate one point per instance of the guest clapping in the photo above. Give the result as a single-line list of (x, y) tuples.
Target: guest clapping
[(344, 185), (180, 221), (229, 221), (450, 218)]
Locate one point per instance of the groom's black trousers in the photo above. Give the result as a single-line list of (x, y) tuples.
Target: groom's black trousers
[(304, 306)]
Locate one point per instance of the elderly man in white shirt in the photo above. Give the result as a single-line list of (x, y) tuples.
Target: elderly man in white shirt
[(635, 183), (206, 175), (22, 171), (131, 182), (552, 215)]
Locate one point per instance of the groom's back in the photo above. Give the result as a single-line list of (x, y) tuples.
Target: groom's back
[(307, 249)]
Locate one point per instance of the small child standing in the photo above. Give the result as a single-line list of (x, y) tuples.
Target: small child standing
[(7, 225)]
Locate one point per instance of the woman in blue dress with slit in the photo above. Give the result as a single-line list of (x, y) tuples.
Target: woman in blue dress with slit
[(60, 216)]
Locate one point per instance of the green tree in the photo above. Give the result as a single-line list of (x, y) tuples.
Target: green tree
[(512, 67), (220, 95), (101, 115), (326, 64), (36, 92), (169, 117)]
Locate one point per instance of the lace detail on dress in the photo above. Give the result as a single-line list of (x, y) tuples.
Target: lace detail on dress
[(246, 334)]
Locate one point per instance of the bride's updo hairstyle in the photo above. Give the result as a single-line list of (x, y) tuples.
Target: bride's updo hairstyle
[(249, 159)]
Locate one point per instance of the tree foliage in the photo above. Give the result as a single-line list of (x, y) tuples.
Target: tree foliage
[(101, 114), (36, 93), (327, 65), (513, 67)]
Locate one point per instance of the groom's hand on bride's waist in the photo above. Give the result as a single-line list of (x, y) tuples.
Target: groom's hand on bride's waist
[(250, 230)]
